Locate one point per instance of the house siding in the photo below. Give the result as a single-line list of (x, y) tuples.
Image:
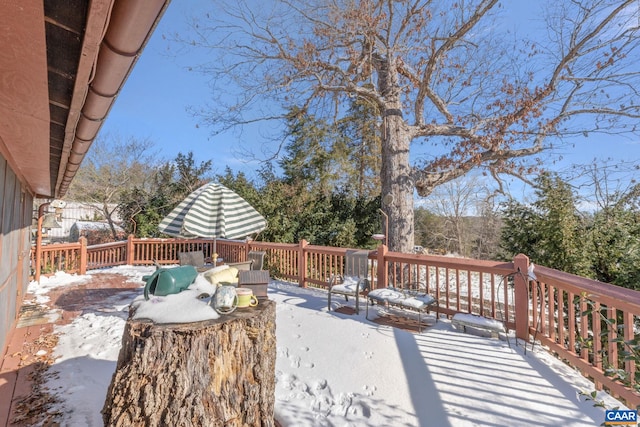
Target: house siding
[(15, 222)]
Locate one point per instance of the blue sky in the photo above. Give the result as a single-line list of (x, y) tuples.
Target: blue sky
[(155, 100)]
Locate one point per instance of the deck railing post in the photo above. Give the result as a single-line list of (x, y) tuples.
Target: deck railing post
[(83, 255), (38, 266), (521, 282), (382, 267), (38, 263), (130, 250), (247, 248), (302, 264)]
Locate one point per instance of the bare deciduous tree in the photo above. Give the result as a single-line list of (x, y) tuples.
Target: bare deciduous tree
[(113, 166), (447, 75), (455, 202)]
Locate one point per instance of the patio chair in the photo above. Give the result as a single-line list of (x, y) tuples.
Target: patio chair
[(196, 259), (258, 259), (354, 281), (242, 265)]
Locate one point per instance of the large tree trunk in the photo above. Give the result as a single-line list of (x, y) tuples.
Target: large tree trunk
[(212, 373), (396, 184)]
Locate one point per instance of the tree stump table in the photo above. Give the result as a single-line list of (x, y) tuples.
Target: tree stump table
[(212, 373)]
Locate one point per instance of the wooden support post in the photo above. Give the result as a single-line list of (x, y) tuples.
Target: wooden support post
[(212, 373), (383, 271), (83, 255), (130, 250), (302, 264), (247, 248), (521, 282), (41, 209)]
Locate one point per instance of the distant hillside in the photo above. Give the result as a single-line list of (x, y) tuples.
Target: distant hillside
[(468, 236)]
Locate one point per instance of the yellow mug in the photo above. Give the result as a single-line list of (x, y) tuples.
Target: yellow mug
[(246, 298)]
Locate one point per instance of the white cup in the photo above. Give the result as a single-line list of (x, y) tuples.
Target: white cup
[(225, 300)]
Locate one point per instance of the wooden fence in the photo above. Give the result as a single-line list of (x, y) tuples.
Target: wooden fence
[(589, 324)]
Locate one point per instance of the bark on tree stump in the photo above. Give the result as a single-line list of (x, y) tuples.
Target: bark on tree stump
[(213, 373)]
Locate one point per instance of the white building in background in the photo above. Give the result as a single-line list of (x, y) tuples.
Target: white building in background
[(73, 212), (95, 232)]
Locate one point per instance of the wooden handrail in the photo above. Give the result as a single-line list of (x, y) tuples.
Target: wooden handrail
[(550, 309)]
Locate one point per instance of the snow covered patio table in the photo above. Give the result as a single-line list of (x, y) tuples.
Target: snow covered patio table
[(404, 299)]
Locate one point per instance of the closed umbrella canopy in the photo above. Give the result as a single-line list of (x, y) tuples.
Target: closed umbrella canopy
[(213, 211)]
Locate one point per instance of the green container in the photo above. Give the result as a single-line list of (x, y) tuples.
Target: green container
[(166, 281)]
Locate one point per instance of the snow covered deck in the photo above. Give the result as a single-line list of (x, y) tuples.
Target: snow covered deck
[(338, 369)]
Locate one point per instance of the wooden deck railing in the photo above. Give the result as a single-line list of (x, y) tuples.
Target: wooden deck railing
[(570, 315), (588, 323), (461, 285), (60, 257), (106, 255)]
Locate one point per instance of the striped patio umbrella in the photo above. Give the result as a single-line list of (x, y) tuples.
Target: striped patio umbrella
[(213, 211)]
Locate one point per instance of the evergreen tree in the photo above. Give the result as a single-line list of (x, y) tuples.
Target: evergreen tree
[(561, 227), (363, 143), (142, 208), (550, 231), (614, 248), (241, 185), (310, 154), (187, 176)]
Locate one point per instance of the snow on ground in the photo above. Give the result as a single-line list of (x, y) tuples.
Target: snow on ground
[(334, 369)]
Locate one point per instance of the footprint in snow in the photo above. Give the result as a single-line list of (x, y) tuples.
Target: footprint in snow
[(359, 409), (286, 381), (321, 384), (283, 351), (369, 390), (295, 361), (344, 403)]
